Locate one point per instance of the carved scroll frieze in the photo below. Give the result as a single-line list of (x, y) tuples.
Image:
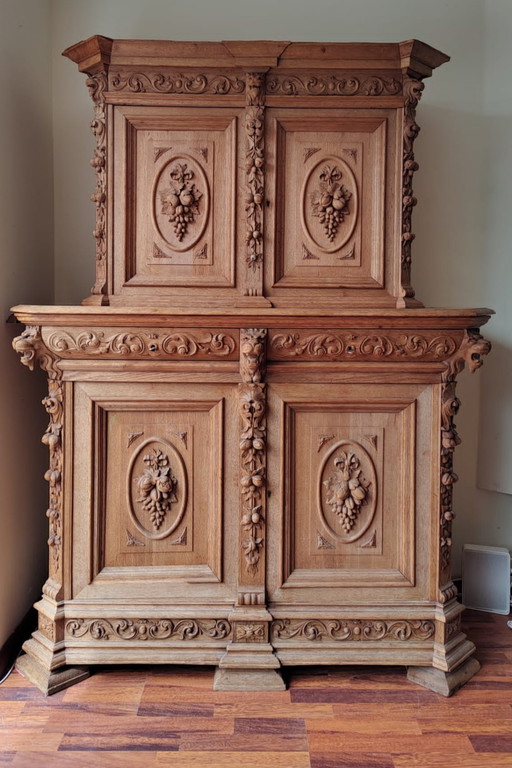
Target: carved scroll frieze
[(143, 344), (149, 629), (54, 406), (352, 345), (412, 95), (255, 174), (97, 85), (330, 200), (176, 83), (253, 435), (324, 84), (352, 629), (32, 349)]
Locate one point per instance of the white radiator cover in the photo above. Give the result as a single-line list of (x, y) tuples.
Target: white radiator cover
[(486, 578)]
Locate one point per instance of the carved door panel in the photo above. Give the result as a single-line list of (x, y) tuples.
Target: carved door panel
[(356, 483), (149, 507), (174, 200), (333, 175)]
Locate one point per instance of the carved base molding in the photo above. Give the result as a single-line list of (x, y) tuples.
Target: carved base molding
[(444, 683), (50, 681)]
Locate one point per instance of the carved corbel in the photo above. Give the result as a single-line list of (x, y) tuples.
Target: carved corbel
[(32, 350)]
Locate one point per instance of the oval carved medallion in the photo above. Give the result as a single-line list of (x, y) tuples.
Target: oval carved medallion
[(181, 202), (347, 490), (157, 488)]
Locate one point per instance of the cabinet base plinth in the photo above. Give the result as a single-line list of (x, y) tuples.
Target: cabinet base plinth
[(50, 681), (229, 679), (444, 683)]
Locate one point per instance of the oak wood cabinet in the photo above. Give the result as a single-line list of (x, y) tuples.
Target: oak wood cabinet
[(251, 417)]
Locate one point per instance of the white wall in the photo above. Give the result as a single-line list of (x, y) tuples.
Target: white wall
[(26, 264), (463, 220)]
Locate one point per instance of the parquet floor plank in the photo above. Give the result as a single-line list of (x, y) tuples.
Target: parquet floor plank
[(332, 717)]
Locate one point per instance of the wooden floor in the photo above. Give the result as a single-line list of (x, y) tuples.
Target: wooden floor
[(343, 717)]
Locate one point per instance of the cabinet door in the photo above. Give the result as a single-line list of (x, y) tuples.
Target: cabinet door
[(357, 493), (149, 504)]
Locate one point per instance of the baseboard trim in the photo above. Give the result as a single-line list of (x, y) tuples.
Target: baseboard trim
[(12, 646)]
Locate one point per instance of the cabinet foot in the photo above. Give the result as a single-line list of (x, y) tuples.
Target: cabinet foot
[(230, 679), (49, 681), (445, 683)]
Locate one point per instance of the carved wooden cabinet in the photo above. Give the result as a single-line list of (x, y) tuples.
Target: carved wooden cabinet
[(251, 418)]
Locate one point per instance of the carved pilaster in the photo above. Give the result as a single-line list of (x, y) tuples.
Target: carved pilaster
[(470, 353), (255, 180), (97, 84), (252, 400), (412, 93)]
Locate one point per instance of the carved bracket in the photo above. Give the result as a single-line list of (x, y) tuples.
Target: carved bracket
[(33, 350)]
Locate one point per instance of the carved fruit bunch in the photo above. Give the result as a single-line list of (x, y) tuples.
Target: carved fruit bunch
[(347, 490), (330, 202), (157, 487), (180, 201)]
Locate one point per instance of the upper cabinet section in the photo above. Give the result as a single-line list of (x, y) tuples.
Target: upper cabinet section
[(254, 174)]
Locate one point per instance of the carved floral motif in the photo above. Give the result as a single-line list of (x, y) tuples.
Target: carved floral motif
[(412, 94), (142, 344), (352, 629), (347, 491), (330, 85), (157, 486), (180, 201), (250, 632), (255, 176), (149, 629), (350, 345), (97, 85), (252, 403), (176, 82), (53, 405), (330, 202)]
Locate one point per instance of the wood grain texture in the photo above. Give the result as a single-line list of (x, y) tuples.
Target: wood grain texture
[(160, 716)]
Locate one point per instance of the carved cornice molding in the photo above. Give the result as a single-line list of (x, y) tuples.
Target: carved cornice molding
[(326, 84), (351, 629), (392, 345), (143, 344), (176, 83), (32, 349), (412, 94), (149, 629)]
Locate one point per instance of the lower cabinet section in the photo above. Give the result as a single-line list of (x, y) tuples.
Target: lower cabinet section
[(248, 513)]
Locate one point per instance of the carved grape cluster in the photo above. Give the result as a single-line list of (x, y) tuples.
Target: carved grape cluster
[(180, 200), (330, 202), (347, 490), (157, 487)]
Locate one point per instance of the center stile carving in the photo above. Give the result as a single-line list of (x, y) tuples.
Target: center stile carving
[(255, 177), (252, 400)]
